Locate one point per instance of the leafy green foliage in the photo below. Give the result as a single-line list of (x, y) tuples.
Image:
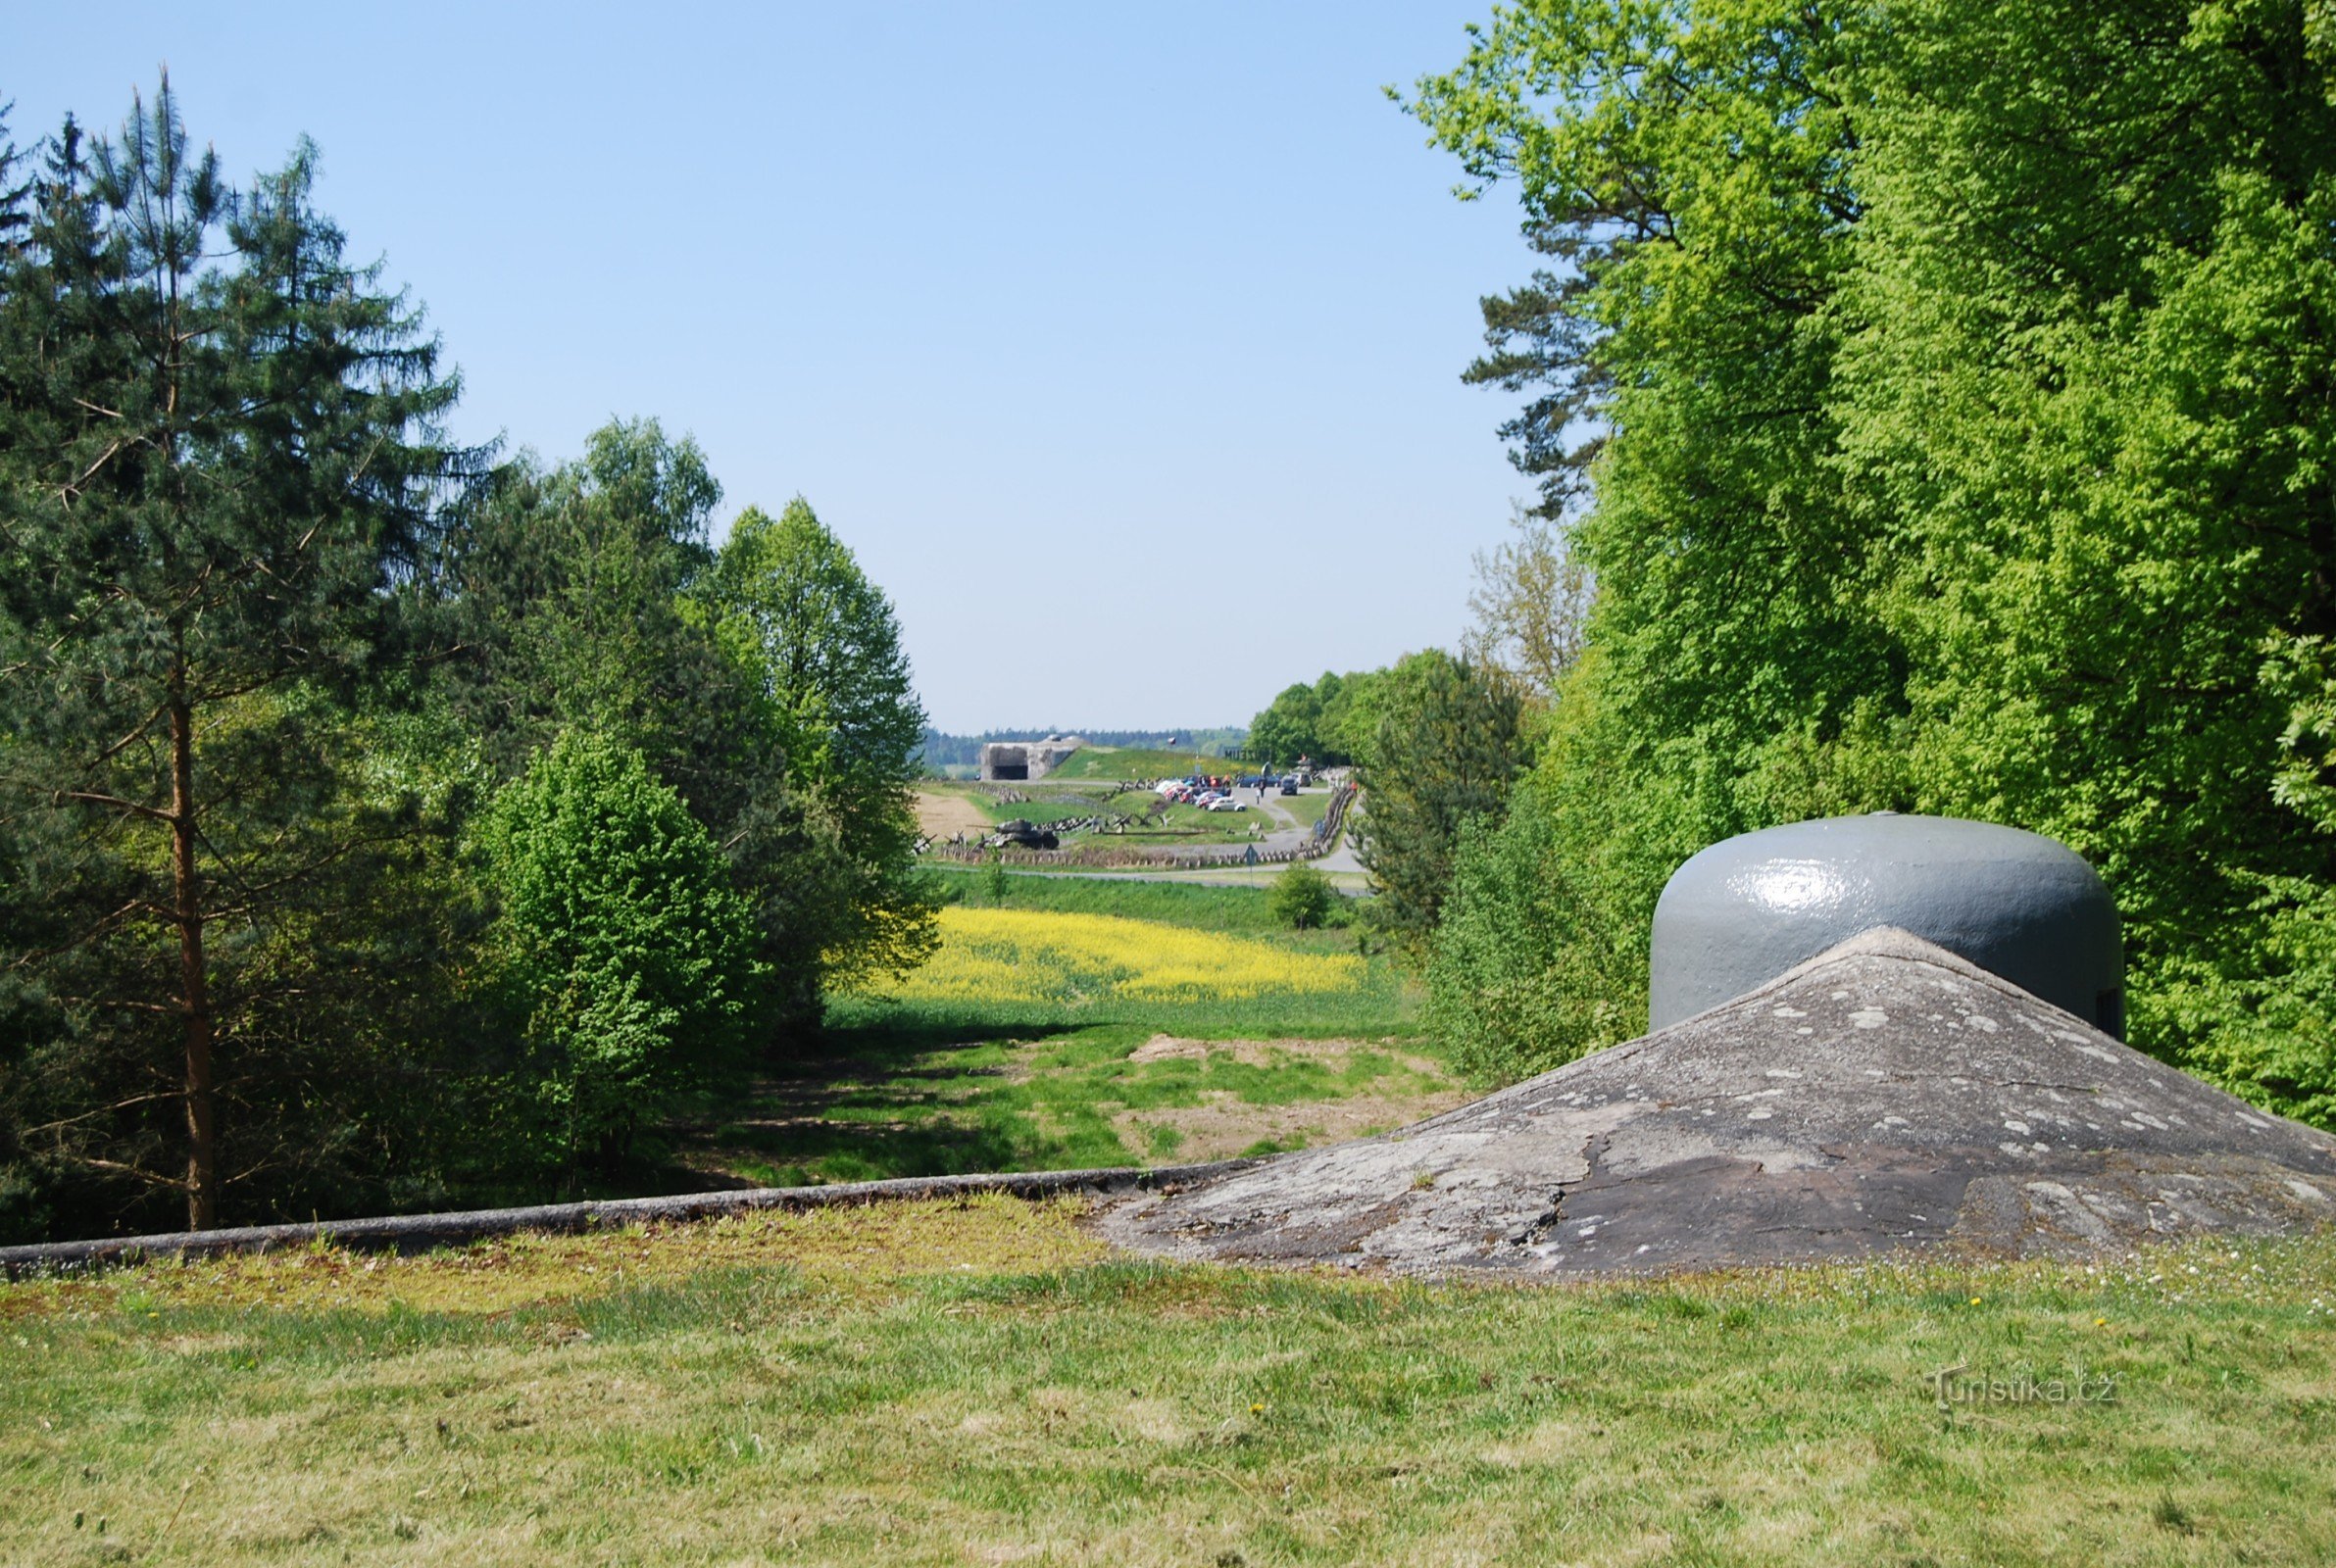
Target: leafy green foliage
[(1330, 723), (1449, 745), (219, 469), (1531, 599), (822, 639), (594, 600), (1962, 375), (1534, 964), (627, 954), (572, 592), (270, 644), (1301, 897)]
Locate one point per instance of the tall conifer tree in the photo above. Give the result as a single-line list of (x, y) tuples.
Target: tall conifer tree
[(216, 482)]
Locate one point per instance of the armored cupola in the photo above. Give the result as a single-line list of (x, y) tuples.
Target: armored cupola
[(2018, 905)]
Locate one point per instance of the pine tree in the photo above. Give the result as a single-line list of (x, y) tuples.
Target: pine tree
[(216, 491)]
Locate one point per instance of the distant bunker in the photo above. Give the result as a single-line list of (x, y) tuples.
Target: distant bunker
[(1014, 761), (1957, 1084)]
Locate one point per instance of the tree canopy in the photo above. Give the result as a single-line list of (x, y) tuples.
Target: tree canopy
[(823, 648), (1952, 382), (221, 459), (1448, 748), (380, 824), (1330, 723)]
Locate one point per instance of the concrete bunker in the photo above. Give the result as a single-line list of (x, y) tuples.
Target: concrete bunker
[(1885, 1092), (1014, 761)]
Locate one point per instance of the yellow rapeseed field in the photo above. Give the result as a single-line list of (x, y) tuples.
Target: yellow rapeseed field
[(1032, 955)]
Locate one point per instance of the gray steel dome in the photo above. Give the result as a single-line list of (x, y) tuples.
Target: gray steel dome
[(2018, 905)]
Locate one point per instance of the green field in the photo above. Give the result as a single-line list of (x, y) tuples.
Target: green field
[(977, 1383), (1141, 767), (1309, 806), (1057, 1065), (1178, 826)]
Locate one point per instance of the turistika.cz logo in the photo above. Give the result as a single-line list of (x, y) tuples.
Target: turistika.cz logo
[(1955, 1384)]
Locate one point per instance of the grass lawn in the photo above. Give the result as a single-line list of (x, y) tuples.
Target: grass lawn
[(1309, 806), (1091, 1023), (978, 1383)]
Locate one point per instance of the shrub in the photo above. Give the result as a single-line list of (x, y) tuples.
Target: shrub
[(1526, 973), (1302, 896), (624, 959)]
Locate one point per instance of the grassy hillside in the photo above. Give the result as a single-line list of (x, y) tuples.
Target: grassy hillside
[(1129, 763), (976, 1383)]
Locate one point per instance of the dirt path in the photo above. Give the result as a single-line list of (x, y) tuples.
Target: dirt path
[(940, 816)]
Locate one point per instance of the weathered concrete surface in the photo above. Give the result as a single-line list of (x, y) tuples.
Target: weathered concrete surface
[(1884, 1095), (1014, 760)]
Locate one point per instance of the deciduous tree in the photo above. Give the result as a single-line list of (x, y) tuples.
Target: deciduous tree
[(1448, 751), (1964, 375), (625, 958), (824, 647)]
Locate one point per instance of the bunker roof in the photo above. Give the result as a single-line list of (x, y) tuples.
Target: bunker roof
[(1885, 1095)]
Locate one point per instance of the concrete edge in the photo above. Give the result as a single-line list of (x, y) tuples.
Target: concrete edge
[(418, 1233)]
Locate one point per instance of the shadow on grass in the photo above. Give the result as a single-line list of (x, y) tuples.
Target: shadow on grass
[(871, 1100)]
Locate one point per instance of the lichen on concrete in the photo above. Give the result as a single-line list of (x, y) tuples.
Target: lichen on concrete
[(1885, 1095)]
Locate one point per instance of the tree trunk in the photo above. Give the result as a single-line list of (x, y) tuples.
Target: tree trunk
[(201, 1170)]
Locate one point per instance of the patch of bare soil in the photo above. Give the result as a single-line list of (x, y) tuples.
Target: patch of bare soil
[(940, 816), (1261, 1053), (1224, 1125)]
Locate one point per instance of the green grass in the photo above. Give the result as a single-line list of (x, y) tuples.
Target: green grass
[(975, 1384), (1144, 766), (907, 1089), (915, 1095), (1089, 804), (1177, 824), (1309, 806)]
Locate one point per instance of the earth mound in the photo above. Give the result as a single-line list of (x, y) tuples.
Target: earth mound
[(1885, 1095)]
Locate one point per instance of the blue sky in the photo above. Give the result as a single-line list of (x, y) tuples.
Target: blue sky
[(1122, 344)]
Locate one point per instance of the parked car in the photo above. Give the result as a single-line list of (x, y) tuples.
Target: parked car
[(1225, 803), (1289, 784)]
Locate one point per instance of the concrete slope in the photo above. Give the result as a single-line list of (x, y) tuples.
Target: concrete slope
[(1884, 1095)]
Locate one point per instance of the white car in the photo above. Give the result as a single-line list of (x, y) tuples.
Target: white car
[(1225, 803)]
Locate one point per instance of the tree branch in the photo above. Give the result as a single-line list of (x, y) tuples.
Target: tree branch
[(92, 798)]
